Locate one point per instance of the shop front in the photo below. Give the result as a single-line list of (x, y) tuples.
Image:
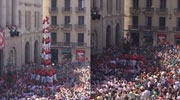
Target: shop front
[(176, 39), (66, 54), (148, 39)]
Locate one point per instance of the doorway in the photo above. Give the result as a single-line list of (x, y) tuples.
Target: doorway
[(135, 39)]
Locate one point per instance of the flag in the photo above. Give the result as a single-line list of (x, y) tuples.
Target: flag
[(1, 40)]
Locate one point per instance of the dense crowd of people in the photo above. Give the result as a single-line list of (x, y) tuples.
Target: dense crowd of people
[(73, 83), (151, 73)]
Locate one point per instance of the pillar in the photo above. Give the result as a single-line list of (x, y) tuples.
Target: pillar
[(15, 12), (9, 12), (3, 13)]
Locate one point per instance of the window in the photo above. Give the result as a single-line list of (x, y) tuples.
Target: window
[(81, 3), (28, 19), (94, 4), (101, 4), (67, 4), (54, 20), (148, 3), (81, 20), (118, 5), (162, 3), (178, 22), (80, 37), (38, 20), (135, 20), (20, 18), (135, 3), (35, 19), (67, 37), (53, 37), (149, 21), (162, 21), (53, 3), (67, 20), (109, 5), (178, 6)]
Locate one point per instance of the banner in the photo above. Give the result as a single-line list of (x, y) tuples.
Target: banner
[(1, 40), (161, 38), (80, 54)]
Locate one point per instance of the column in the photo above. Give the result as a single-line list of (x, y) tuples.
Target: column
[(3, 13), (15, 12), (9, 12)]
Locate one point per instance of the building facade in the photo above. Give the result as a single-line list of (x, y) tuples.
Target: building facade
[(70, 29), (21, 22), (106, 24), (152, 22)]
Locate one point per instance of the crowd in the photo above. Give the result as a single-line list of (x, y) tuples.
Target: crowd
[(151, 73), (73, 83)]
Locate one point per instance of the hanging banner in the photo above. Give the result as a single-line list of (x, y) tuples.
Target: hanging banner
[(1, 40), (161, 38), (80, 54)]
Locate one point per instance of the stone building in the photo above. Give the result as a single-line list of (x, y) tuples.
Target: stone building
[(21, 22), (152, 22), (70, 29), (106, 24)]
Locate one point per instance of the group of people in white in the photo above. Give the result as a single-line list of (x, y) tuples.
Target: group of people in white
[(70, 82), (44, 75)]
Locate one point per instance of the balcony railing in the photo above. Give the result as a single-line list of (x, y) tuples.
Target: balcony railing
[(162, 28), (135, 10), (135, 27), (69, 44), (162, 10), (66, 27), (54, 26), (148, 10), (67, 9), (80, 9), (177, 11), (53, 10), (176, 29), (80, 26), (148, 28)]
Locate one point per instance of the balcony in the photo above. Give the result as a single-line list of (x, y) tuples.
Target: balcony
[(54, 44), (80, 10), (135, 27), (162, 28), (148, 28), (54, 27), (177, 11), (135, 11), (53, 10), (148, 10), (80, 27), (66, 27), (162, 11), (176, 29), (67, 9), (69, 44)]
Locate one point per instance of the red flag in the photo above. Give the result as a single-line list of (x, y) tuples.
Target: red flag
[(2, 44)]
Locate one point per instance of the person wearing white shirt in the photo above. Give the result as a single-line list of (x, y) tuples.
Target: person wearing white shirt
[(145, 95)]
